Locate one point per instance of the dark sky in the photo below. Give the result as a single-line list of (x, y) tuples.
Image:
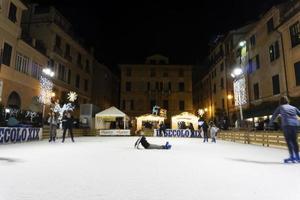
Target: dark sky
[(127, 32)]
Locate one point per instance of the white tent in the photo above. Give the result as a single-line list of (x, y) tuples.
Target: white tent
[(148, 118), (108, 115), (185, 117)]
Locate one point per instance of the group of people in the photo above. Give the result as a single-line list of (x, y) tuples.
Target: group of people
[(208, 129), (67, 124)]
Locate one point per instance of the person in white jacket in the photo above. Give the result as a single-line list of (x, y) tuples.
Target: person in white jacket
[(213, 130)]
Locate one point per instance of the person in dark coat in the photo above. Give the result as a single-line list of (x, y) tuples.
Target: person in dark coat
[(289, 124), (67, 123), (191, 127), (142, 140), (204, 127), (162, 129)]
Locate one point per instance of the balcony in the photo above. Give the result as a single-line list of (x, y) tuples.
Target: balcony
[(216, 58), (68, 57), (58, 50)]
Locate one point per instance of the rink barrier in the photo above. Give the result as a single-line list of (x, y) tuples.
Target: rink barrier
[(20, 134), (263, 138), (76, 133)]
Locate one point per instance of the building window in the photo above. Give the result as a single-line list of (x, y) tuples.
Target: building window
[(22, 63), (161, 85), (170, 86), (6, 54), (61, 72), (250, 66), (166, 104), (128, 72), (215, 88), (181, 105), (77, 83), (132, 104), (256, 91), (123, 104), (295, 34), (274, 51), (69, 76), (68, 51), (270, 25), (152, 104), (57, 42), (276, 85), (223, 103), (86, 85), (12, 15), (148, 86), (152, 72), (128, 86), (165, 74), (257, 62), (36, 70), (222, 67), (79, 60), (87, 66), (181, 86), (297, 73), (181, 73), (252, 40), (222, 83)]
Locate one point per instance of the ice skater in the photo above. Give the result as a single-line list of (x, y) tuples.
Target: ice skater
[(53, 121), (213, 130), (203, 125), (142, 140), (67, 123), (289, 124)]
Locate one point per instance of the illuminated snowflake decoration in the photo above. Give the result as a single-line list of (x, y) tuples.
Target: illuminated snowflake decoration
[(31, 115), (240, 95), (46, 87), (60, 110), (72, 96)]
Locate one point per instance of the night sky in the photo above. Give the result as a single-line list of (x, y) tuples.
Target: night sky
[(127, 32)]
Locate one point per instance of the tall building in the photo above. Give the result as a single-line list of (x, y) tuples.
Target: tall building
[(157, 82), (21, 62), (71, 61), (268, 54), (105, 90)]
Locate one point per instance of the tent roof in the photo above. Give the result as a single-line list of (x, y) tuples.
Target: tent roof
[(150, 116), (111, 112), (185, 115)]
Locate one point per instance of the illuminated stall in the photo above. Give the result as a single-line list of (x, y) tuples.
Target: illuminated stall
[(149, 121), (183, 120), (112, 122)]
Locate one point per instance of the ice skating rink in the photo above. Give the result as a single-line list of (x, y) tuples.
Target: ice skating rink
[(109, 168)]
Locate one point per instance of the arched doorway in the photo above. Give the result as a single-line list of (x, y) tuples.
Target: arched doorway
[(14, 100)]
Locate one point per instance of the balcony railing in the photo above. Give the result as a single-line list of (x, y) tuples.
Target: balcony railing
[(58, 50)]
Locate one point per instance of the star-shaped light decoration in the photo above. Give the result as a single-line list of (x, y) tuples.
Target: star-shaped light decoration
[(72, 96)]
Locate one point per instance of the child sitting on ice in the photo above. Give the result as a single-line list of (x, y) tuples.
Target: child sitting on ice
[(142, 140), (213, 130)]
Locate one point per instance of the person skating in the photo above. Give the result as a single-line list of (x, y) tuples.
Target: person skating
[(213, 129), (289, 124), (204, 128), (142, 140), (53, 121), (162, 129), (67, 123)]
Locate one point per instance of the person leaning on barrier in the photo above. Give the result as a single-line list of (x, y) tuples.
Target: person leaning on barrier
[(289, 124)]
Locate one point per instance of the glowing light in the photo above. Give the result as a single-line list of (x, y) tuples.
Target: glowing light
[(201, 112), (242, 43), (45, 91), (48, 72), (240, 94), (60, 110), (205, 109), (229, 97), (72, 96), (53, 94), (7, 110)]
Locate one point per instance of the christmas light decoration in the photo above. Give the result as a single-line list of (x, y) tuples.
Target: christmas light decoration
[(240, 95), (72, 96), (60, 110), (46, 92)]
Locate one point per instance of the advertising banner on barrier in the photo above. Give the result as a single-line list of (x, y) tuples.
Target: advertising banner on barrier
[(177, 133), (19, 134), (118, 132)]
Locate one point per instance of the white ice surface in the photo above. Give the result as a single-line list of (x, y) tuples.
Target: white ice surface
[(109, 168)]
